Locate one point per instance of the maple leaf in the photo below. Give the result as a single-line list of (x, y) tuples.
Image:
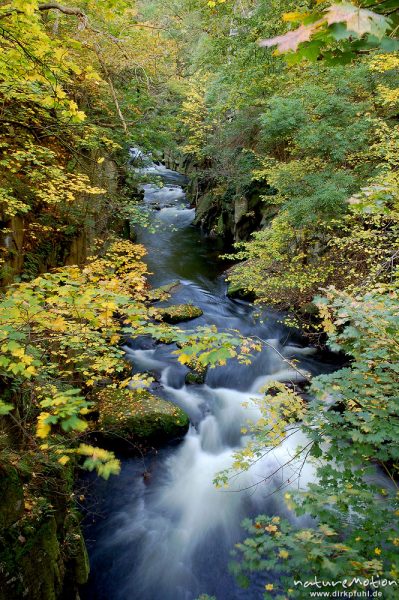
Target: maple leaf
[(292, 39), (358, 20)]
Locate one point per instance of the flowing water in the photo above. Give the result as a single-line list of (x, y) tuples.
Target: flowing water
[(170, 537)]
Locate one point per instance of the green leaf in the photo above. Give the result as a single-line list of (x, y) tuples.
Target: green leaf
[(5, 408)]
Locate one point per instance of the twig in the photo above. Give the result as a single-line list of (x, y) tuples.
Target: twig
[(291, 364)]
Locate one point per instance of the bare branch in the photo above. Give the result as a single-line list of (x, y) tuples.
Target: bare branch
[(271, 475), (289, 362), (113, 93), (66, 10)]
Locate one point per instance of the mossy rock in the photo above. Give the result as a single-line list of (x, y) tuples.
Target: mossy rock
[(43, 564), (81, 561), (138, 415), (42, 560), (236, 290), (204, 205), (193, 377), (32, 567), (179, 313), (11, 495), (78, 567), (163, 292)]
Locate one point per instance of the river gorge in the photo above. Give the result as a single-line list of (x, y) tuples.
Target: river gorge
[(169, 535)]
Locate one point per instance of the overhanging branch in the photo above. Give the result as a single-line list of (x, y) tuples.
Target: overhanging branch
[(67, 10)]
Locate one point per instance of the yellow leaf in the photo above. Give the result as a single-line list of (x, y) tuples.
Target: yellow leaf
[(294, 16), (18, 352), (184, 359), (58, 324), (42, 428)]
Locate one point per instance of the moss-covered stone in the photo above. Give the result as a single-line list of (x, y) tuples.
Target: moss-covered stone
[(179, 313), (236, 290), (78, 566), (81, 562), (140, 416), (32, 566), (204, 205), (163, 292), (42, 564), (193, 377), (197, 373), (42, 550)]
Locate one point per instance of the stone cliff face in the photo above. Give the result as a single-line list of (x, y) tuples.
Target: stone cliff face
[(222, 210), (230, 216), (32, 256)]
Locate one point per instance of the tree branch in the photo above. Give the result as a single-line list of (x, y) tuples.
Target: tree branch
[(113, 93), (73, 11), (67, 10)]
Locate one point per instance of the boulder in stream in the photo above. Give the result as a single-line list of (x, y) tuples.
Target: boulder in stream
[(179, 313), (237, 290), (139, 416), (194, 377), (163, 292)]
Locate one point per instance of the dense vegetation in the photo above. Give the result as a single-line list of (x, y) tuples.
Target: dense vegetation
[(294, 156)]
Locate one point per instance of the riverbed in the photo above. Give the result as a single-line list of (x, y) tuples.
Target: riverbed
[(169, 536)]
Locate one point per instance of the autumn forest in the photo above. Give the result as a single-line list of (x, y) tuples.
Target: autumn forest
[(199, 299)]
